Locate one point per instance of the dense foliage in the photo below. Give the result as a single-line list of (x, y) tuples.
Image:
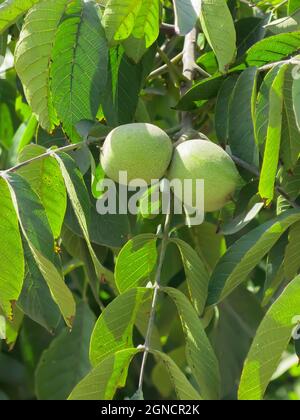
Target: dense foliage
[(145, 306)]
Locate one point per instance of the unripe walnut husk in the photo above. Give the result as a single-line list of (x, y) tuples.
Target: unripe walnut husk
[(201, 159), (144, 151)]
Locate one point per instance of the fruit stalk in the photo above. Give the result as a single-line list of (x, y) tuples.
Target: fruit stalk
[(164, 244)]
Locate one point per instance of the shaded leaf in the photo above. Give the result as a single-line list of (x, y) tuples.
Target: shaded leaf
[(222, 109), (37, 232), (79, 198), (197, 276), (66, 361), (292, 255), (243, 256), (125, 80), (242, 108), (35, 299)]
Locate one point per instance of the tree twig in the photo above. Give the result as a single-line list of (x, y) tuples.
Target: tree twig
[(189, 71), (168, 29), (148, 337), (64, 149), (164, 69), (255, 171)]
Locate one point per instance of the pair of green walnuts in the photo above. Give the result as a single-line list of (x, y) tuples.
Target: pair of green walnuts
[(146, 152)]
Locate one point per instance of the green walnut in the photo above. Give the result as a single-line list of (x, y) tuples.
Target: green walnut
[(143, 151), (201, 159)]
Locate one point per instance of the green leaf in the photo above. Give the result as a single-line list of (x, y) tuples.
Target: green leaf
[(66, 361), (104, 380), (77, 248), (197, 276), (31, 126), (12, 10), (135, 48), (147, 22), (6, 126), (200, 355), (184, 390), (136, 262), (239, 317), (203, 90), (110, 230), (245, 254), (12, 327), (242, 108), (241, 221), (285, 24), (79, 198), (275, 269), (125, 81), (270, 341), (290, 138), (37, 232), (3, 43), (272, 149), (263, 107), (273, 49), (12, 259), (293, 5), (249, 31), (36, 300), (33, 56), (46, 180), (222, 109), (120, 17), (187, 13), (292, 257), (290, 182), (218, 27), (79, 65), (296, 95), (209, 244), (114, 329)]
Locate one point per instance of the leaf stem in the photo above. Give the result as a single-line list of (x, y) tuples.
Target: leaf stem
[(164, 244), (64, 149), (269, 66)]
